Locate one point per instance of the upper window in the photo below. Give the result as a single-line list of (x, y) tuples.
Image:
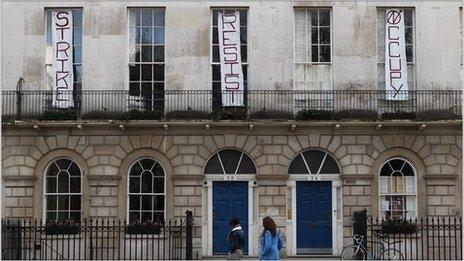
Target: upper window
[(230, 161), (409, 25), (312, 36), (397, 189), (63, 191), (215, 61), (314, 162), (146, 193), (146, 58), (76, 45)]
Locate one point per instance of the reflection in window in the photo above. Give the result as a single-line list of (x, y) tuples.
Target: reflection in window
[(63, 191), (146, 194), (146, 58), (314, 162), (230, 161), (397, 189)]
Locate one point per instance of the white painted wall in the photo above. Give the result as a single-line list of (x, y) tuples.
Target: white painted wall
[(354, 37)]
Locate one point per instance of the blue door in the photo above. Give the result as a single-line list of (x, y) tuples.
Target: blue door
[(229, 199), (314, 217)]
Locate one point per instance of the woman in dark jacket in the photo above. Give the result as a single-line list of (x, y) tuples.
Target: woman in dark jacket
[(236, 239)]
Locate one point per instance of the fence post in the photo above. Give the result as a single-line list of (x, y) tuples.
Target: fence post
[(360, 224), (189, 235)]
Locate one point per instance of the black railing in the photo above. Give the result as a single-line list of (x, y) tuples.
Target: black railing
[(97, 239), (430, 238), (254, 104)]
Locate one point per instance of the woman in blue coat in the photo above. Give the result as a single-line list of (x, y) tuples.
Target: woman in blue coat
[(271, 242)]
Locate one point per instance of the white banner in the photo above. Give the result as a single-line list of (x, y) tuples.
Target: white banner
[(231, 63), (396, 71), (62, 39)]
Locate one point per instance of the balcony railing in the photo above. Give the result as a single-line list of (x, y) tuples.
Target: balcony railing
[(257, 104)]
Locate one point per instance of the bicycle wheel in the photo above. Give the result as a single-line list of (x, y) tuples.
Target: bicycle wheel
[(391, 254), (353, 252)]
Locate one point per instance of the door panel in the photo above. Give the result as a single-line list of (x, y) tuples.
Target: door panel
[(314, 217), (229, 199)]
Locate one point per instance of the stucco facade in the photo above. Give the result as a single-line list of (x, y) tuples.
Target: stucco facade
[(105, 150)]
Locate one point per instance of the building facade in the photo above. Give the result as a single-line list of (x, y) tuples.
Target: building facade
[(135, 148)]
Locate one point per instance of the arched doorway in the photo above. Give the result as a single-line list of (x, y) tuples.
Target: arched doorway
[(229, 191), (315, 223)]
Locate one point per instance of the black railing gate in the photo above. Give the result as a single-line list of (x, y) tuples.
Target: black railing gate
[(97, 240)]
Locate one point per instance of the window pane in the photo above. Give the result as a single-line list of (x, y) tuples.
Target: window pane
[(216, 72), (324, 18), (408, 18), (409, 53), (134, 185), (134, 202), (325, 53), (76, 216), (408, 35), (158, 216), (75, 203), (134, 72), (213, 166), (396, 164), (134, 17), (136, 169), (158, 72), (77, 17), (158, 185), (75, 184), (159, 17), (146, 216), (158, 170), (63, 164), (146, 53), (158, 53), (147, 35), (50, 215), (147, 18), (51, 202), (215, 36), (314, 159), (216, 53), (77, 53), (134, 217), (63, 202), (158, 35), (325, 35), (147, 182), (314, 36), (63, 216), (243, 53), (51, 185), (246, 166), (243, 35), (330, 166), (243, 17), (314, 54), (63, 182), (77, 73), (158, 202), (297, 166), (134, 90), (230, 159), (146, 72), (147, 202), (313, 16), (77, 36)]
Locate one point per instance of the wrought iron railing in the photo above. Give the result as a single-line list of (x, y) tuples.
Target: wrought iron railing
[(257, 104), (97, 239)]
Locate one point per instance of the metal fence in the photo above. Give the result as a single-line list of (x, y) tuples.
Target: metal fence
[(430, 238), (121, 104), (97, 240)]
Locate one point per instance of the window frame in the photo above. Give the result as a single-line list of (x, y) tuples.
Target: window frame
[(155, 101), (308, 9), (45, 193), (405, 194), (128, 193)]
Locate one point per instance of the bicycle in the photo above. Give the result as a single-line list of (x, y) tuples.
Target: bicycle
[(358, 251)]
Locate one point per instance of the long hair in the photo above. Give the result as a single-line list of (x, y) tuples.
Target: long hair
[(269, 225)]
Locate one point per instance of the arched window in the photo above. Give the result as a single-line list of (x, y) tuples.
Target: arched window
[(230, 161), (314, 162), (63, 191), (146, 195), (397, 189)]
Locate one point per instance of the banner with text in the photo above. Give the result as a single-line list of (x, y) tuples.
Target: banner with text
[(62, 40), (231, 63), (396, 71)]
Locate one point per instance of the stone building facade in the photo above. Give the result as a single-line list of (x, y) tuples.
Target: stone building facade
[(105, 153)]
